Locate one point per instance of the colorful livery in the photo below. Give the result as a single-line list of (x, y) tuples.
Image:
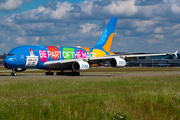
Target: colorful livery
[(61, 58)]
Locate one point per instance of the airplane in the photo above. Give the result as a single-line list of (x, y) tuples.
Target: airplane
[(74, 59)]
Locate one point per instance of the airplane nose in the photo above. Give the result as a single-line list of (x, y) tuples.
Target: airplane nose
[(8, 62)]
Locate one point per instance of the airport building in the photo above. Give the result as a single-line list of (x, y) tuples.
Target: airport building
[(1, 63), (155, 61)]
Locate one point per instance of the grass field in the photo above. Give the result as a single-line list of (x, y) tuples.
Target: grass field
[(94, 98), (101, 70)]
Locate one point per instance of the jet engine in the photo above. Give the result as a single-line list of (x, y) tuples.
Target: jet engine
[(117, 62), (80, 66)]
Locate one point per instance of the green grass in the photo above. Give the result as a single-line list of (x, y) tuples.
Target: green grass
[(98, 70), (127, 68), (136, 69), (94, 98)]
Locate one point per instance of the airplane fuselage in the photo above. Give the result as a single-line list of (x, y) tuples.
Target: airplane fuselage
[(34, 56)]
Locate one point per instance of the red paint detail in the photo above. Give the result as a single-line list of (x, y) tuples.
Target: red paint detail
[(54, 52)]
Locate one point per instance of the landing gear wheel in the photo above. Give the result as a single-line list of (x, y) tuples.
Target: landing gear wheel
[(72, 73), (46, 73), (57, 73), (77, 73), (13, 74), (49, 73), (64, 73)]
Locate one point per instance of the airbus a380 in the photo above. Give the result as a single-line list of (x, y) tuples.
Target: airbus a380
[(74, 59)]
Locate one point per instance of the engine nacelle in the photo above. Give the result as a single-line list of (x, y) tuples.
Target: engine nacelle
[(19, 69), (80, 66), (117, 62)]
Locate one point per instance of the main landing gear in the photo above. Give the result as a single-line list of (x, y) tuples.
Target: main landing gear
[(49, 73), (62, 73)]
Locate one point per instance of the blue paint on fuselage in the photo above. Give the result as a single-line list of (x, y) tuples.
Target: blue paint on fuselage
[(17, 57)]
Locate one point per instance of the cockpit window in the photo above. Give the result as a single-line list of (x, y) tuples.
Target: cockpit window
[(10, 54)]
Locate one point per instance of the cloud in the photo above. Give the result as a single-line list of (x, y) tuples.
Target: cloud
[(177, 39), (153, 41), (177, 26), (125, 8), (102, 2), (21, 40), (158, 30), (60, 12), (147, 22), (87, 27), (2, 45), (175, 9), (148, 2), (128, 32), (37, 38), (76, 8), (158, 36), (176, 33), (8, 5)]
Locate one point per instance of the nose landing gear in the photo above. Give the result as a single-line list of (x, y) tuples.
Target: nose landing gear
[(13, 72)]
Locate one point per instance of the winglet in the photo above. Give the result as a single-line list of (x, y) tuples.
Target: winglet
[(176, 53)]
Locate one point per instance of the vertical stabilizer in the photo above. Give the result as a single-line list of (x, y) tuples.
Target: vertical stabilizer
[(107, 36)]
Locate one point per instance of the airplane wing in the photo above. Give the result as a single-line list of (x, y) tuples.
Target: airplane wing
[(96, 60), (67, 64), (63, 64), (128, 53), (143, 55)]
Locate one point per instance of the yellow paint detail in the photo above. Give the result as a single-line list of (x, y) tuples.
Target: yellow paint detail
[(98, 53), (94, 65), (87, 49), (111, 53), (107, 46)]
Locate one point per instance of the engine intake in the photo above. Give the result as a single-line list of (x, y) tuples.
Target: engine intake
[(80, 66), (117, 62)]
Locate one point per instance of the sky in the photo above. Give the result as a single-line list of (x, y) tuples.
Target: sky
[(142, 26)]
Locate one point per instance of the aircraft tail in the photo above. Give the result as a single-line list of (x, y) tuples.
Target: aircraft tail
[(107, 36)]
